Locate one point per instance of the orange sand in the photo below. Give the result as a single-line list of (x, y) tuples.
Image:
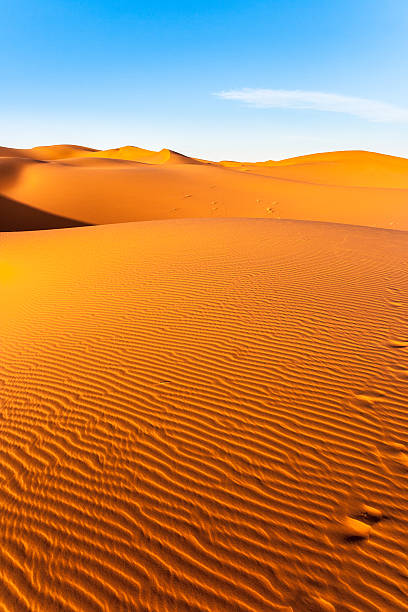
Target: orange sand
[(204, 415), (133, 184)]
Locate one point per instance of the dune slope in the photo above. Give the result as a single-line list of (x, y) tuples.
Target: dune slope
[(133, 184), (347, 168), (16, 217), (49, 153), (129, 153), (203, 415)]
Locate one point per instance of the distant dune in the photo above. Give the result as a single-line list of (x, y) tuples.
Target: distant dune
[(133, 184), (165, 156), (347, 168), (202, 415), (50, 153)]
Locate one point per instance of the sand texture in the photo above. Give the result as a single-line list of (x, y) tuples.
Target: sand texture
[(85, 186), (203, 415)]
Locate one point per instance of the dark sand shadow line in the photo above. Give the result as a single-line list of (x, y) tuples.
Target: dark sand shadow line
[(18, 217)]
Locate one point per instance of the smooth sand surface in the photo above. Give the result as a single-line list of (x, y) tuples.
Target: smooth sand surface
[(133, 184), (348, 168), (203, 415)]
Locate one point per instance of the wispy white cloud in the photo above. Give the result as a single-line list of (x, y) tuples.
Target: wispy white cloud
[(372, 110)]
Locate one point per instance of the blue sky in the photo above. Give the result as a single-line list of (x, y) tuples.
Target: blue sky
[(110, 73)]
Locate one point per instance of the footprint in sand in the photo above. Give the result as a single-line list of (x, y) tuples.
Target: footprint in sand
[(355, 529), (396, 455), (398, 344), (369, 514), (359, 525)]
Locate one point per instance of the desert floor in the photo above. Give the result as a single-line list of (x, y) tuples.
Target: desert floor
[(203, 382)]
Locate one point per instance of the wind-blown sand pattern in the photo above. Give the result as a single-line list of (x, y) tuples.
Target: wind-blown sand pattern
[(133, 184), (203, 415)]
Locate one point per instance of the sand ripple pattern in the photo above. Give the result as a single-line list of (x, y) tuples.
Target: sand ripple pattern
[(204, 415)]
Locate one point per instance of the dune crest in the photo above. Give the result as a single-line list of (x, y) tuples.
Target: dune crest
[(346, 168), (145, 156), (47, 153)]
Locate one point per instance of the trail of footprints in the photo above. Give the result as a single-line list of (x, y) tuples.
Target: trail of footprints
[(360, 525)]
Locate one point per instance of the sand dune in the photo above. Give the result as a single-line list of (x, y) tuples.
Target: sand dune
[(128, 153), (347, 168), (165, 156), (20, 217), (47, 153), (133, 184), (204, 415)]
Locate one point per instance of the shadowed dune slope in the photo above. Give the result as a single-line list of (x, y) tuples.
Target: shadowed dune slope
[(133, 184), (16, 217), (204, 415)]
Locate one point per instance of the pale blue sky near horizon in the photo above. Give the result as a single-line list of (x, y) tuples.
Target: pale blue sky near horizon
[(111, 73)]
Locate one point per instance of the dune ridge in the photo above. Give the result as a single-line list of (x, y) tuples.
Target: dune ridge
[(47, 153), (204, 415), (145, 156), (347, 168)]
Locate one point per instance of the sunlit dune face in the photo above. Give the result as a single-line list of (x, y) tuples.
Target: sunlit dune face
[(204, 415), (7, 271)]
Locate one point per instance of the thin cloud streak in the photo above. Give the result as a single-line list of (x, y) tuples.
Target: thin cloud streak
[(371, 110)]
